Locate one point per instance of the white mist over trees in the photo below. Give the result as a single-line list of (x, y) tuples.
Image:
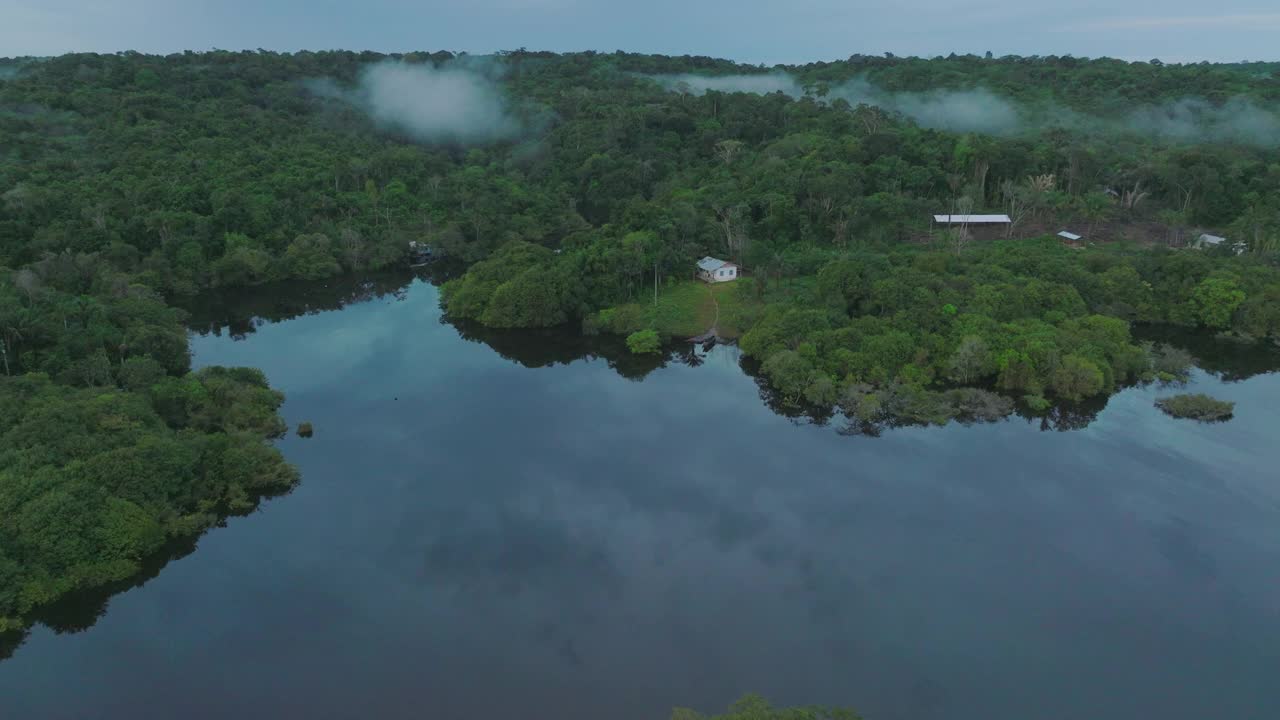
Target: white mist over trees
[(959, 110), (1190, 119), (458, 104), (463, 102), (978, 110), (1196, 120)]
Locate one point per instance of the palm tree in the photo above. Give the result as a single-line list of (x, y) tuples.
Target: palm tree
[(1095, 207)]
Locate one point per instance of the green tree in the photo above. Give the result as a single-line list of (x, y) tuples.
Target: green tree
[(1076, 378), (971, 360), (311, 257), (1215, 300), (790, 372)]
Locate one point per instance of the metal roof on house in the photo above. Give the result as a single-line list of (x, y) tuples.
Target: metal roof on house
[(1069, 235), (971, 219), (1212, 239), (709, 263)]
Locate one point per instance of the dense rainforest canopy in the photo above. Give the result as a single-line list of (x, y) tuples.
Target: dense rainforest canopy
[(109, 446), (208, 169), (581, 188)]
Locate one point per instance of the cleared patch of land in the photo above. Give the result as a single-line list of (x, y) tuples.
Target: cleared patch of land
[(687, 309)]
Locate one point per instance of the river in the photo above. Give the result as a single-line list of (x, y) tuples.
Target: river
[(535, 525)]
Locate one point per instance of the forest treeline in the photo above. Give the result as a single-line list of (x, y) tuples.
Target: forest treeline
[(573, 183), (223, 169), (755, 707), (606, 174), (924, 334)]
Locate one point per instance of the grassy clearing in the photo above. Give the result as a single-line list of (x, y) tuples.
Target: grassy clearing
[(685, 309)]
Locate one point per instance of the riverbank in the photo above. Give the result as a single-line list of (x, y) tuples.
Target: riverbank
[(579, 556)]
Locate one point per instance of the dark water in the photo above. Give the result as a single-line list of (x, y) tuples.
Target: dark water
[(532, 526)]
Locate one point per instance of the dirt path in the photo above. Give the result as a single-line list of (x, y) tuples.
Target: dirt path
[(715, 324), (714, 331)]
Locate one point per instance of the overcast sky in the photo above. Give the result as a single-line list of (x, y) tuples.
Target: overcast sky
[(755, 31)]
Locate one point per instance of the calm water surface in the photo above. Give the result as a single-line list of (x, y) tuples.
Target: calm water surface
[(475, 537)]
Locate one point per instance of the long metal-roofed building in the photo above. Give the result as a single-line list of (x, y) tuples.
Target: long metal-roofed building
[(972, 219), (980, 227)]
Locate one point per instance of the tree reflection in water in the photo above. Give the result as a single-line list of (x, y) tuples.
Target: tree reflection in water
[(241, 311)]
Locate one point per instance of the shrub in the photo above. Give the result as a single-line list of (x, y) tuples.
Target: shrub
[(305, 430), (1196, 407), (644, 342), (622, 320)]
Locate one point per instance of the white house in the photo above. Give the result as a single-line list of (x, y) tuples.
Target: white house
[(1070, 236), (1209, 241), (714, 271)]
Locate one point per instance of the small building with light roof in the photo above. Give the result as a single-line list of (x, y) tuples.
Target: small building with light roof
[(980, 227), (972, 219), (714, 270)]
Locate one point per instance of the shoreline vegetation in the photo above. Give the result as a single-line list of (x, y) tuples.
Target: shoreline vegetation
[(1173, 349), (755, 707), (919, 335), (580, 190), (111, 447)]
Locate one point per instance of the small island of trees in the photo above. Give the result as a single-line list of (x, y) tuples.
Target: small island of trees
[(1197, 407)]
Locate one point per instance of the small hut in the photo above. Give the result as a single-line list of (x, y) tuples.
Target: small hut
[(420, 253), (714, 270)]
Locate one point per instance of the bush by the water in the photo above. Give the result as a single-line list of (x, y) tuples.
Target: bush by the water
[(644, 342), (305, 430), (870, 409), (754, 707), (1196, 407)]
